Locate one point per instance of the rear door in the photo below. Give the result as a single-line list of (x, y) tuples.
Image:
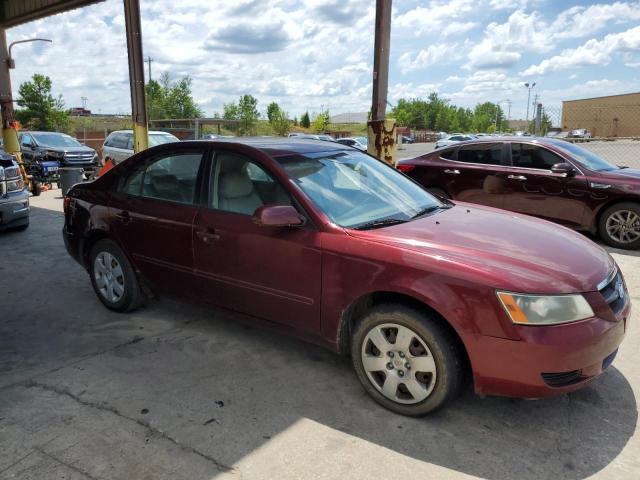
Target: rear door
[(532, 188), (476, 174), (152, 215)]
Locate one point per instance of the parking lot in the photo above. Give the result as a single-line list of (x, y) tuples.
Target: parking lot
[(175, 391)]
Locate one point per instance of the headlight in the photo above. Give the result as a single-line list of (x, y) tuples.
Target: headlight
[(545, 309)]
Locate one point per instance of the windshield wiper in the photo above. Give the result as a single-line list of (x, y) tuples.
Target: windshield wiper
[(385, 222), (427, 210)]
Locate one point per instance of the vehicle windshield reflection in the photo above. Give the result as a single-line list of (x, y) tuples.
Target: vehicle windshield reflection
[(356, 191), (586, 157)]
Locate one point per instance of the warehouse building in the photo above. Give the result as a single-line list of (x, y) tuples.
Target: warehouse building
[(611, 116)]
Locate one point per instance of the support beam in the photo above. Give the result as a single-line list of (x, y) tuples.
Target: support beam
[(136, 75), (381, 132)]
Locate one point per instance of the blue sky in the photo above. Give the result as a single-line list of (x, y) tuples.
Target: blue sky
[(313, 54)]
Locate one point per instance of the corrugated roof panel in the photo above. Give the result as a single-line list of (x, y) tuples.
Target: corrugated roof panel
[(17, 12)]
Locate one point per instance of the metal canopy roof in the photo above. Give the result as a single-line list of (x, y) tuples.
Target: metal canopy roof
[(16, 12)]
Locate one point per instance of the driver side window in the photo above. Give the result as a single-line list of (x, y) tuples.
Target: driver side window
[(531, 156), (241, 185), (26, 141)]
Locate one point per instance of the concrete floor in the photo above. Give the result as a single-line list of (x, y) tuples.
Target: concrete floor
[(177, 392)]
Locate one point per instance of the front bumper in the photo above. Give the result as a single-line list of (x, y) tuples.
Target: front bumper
[(547, 360), (14, 210)]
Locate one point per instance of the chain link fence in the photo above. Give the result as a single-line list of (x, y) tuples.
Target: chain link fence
[(610, 129)]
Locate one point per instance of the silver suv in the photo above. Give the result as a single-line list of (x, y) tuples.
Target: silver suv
[(14, 198), (118, 146)]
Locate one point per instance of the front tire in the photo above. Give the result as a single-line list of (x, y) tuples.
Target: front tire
[(113, 278), (619, 226), (406, 360)]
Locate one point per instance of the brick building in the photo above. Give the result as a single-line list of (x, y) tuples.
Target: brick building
[(611, 116)]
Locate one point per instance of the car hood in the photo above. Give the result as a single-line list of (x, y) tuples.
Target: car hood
[(622, 173), (500, 249)]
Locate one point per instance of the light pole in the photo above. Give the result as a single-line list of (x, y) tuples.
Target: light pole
[(529, 87), (11, 63)]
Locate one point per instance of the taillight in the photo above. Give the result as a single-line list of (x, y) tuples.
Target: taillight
[(67, 203), (405, 167)]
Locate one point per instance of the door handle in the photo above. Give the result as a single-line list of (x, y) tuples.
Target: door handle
[(124, 217), (452, 172), (522, 178), (207, 236)]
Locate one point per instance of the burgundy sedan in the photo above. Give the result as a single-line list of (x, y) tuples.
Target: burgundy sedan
[(548, 178), (326, 243)]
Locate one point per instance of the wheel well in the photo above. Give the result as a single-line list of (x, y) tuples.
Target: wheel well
[(88, 243), (352, 315), (604, 207)]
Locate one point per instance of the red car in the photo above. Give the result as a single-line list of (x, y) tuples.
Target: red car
[(324, 242), (548, 178)]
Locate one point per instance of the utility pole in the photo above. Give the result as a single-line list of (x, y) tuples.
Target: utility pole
[(529, 86), (136, 74), (149, 60), (381, 132)]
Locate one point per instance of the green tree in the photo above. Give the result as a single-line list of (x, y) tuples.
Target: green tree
[(230, 111), (280, 123), (272, 110), (305, 121), (40, 109), (168, 99), (247, 113), (320, 122)]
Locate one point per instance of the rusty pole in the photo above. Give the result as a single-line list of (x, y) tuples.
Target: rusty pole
[(382, 134), (136, 74)]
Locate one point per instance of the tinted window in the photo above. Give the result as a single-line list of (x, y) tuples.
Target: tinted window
[(26, 140), (486, 154), (118, 140), (241, 185), (449, 154), (56, 140), (531, 156), (587, 158), (172, 178)]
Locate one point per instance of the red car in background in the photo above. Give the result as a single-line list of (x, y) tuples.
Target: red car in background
[(548, 178), (322, 241)]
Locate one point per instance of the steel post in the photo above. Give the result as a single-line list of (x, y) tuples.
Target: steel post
[(136, 75)]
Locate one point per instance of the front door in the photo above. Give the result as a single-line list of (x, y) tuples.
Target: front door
[(270, 273), (153, 211), (476, 175), (532, 187)]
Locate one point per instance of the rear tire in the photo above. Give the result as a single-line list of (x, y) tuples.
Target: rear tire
[(36, 189), (113, 278), (406, 359), (619, 226)]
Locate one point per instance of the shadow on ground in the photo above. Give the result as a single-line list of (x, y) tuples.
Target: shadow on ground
[(222, 391)]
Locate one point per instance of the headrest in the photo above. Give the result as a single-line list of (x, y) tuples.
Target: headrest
[(235, 185), (231, 162)]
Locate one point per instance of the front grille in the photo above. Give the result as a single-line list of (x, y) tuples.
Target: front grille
[(614, 293), (82, 157), (562, 379)]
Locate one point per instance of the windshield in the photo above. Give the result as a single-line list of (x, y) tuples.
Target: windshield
[(55, 140), (357, 191), (161, 138), (587, 158)]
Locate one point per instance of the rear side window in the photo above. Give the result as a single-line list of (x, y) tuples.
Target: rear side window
[(449, 154), (172, 178), (485, 154), (117, 140), (524, 155)]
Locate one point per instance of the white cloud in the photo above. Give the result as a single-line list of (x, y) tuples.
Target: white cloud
[(593, 52), (433, 54), (411, 90), (440, 17)]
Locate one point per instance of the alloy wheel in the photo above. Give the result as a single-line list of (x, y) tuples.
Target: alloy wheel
[(398, 363), (623, 226), (109, 277)]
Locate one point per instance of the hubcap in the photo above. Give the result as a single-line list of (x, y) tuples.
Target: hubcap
[(623, 226), (398, 363), (109, 277)]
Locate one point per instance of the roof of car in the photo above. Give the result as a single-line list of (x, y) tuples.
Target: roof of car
[(151, 132), (46, 133), (545, 140), (279, 146)]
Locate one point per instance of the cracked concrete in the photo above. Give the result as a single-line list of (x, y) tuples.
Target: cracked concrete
[(178, 392)]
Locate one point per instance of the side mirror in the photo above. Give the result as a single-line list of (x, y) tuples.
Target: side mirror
[(277, 216), (565, 169)]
